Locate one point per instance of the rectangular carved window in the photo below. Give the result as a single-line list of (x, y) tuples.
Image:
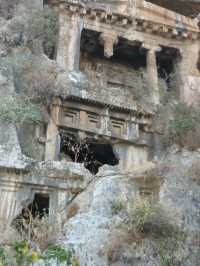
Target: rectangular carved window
[(70, 116), (118, 126), (93, 120)]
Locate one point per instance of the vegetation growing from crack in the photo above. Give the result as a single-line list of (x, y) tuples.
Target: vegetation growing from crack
[(33, 77), (147, 220), (117, 206), (183, 121), (179, 124), (18, 109), (183, 128)]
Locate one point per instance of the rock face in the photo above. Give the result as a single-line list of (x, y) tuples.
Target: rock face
[(101, 101), (90, 230), (185, 7)]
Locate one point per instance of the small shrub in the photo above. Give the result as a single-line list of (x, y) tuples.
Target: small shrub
[(60, 255), (184, 120), (117, 206), (169, 246), (43, 25), (22, 254), (17, 109), (34, 76), (36, 229), (145, 213), (146, 220), (183, 129), (38, 26)]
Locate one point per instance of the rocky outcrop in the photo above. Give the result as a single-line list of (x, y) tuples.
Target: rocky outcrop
[(95, 232)]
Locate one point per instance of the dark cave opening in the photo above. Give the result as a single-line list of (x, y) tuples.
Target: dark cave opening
[(125, 53), (89, 152), (40, 205), (129, 54), (167, 60), (38, 208), (46, 2)]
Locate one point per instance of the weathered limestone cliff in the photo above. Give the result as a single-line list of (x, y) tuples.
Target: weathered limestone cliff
[(99, 133)]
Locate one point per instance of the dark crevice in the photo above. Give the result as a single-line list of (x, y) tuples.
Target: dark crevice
[(167, 60), (40, 205)]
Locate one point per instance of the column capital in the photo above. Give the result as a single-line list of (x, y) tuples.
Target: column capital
[(152, 47), (108, 40)]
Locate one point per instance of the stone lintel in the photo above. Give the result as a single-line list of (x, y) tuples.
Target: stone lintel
[(101, 122)]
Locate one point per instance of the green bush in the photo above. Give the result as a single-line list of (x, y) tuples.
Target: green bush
[(145, 212), (117, 206), (21, 254), (146, 220), (34, 76), (184, 120), (183, 129), (168, 247), (17, 109), (150, 219), (43, 25), (60, 255), (40, 25)]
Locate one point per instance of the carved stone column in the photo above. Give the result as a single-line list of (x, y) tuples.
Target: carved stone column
[(68, 53), (152, 71), (53, 139), (108, 41), (189, 73)]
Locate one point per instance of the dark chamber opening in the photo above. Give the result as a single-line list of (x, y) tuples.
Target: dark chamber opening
[(128, 54), (92, 154), (38, 208), (123, 53), (40, 205), (166, 63)]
